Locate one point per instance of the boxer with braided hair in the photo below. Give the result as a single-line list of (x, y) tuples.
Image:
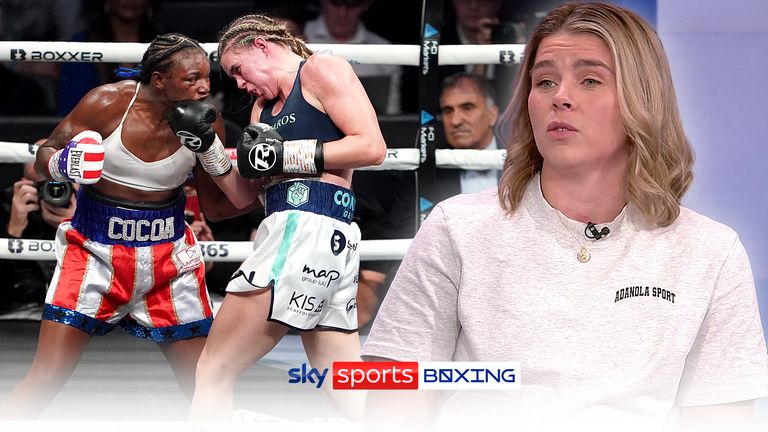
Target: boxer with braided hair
[(127, 257), (312, 124)]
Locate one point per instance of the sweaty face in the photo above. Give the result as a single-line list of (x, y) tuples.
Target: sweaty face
[(250, 70), (573, 104), (189, 76), (467, 119)]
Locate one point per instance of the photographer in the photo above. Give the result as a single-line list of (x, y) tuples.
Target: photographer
[(32, 209)]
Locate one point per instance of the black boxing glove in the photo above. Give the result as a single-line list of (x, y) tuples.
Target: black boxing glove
[(262, 152), (192, 122)]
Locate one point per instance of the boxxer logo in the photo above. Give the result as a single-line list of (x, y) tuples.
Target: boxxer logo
[(18, 54), (15, 246), (262, 157)]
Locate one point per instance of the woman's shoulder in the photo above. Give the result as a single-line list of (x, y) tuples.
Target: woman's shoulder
[(324, 65), (471, 205), (701, 228), (102, 107), (108, 95)]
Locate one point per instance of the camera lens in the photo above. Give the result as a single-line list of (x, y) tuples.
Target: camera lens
[(55, 193)]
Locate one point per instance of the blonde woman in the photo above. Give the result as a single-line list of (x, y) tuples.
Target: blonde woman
[(618, 303)]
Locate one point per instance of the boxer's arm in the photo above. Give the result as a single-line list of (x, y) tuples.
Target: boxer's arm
[(242, 194), (93, 112), (214, 203), (334, 85)]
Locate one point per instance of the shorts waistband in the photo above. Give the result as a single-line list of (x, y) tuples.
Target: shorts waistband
[(312, 196), (105, 222)]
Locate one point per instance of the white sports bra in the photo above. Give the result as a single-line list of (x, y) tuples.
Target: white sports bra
[(124, 168)]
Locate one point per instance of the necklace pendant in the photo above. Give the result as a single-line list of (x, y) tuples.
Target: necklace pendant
[(583, 255)]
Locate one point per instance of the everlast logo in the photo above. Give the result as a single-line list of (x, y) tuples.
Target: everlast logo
[(75, 157), (140, 230), (58, 56)]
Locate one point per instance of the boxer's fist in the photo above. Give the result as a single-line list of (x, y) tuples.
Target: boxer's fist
[(262, 152), (80, 161), (192, 121)]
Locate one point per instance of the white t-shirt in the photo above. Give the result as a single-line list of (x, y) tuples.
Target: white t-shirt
[(477, 180), (656, 318)]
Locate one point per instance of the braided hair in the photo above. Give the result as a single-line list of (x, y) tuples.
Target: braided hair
[(158, 55), (242, 32)]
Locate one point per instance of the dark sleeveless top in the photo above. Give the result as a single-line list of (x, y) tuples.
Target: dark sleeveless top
[(298, 119)]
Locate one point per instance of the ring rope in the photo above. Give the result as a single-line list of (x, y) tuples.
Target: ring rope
[(399, 159), (128, 52), (226, 251)]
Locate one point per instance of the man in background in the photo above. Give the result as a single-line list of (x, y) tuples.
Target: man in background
[(469, 116)]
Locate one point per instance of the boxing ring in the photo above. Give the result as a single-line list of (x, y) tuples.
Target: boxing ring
[(270, 372), (415, 159)]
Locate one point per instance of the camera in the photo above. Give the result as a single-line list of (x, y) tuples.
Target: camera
[(55, 193)]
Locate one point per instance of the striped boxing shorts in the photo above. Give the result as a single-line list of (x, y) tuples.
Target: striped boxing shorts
[(306, 252), (131, 265)]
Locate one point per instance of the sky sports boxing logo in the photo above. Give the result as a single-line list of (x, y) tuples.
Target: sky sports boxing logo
[(412, 376)]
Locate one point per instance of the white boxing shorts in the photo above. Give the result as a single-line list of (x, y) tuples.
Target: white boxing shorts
[(141, 269), (306, 252)]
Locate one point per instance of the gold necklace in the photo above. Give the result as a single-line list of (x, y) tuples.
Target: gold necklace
[(583, 254)]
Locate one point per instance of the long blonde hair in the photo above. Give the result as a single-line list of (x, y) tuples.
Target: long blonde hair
[(242, 31), (660, 161)]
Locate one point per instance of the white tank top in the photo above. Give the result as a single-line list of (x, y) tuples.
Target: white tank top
[(124, 168)]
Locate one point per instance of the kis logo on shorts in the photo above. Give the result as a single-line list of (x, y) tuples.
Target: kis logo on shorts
[(338, 242)]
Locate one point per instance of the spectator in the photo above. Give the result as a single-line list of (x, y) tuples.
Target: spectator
[(469, 116), (340, 22), (26, 215), (109, 21)]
